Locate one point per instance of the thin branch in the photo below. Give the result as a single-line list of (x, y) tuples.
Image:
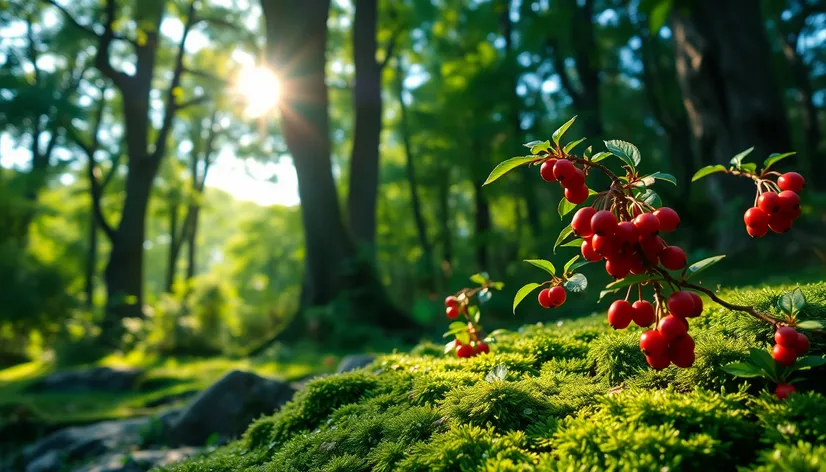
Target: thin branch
[(389, 48), (562, 71), (88, 29), (206, 75), (192, 102), (120, 79), (95, 188)]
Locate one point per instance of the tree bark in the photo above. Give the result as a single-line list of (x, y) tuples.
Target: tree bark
[(481, 220), (91, 261), (445, 233), (731, 97), (174, 244), (364, 164)]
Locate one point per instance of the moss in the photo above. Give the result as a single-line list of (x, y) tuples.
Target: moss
[(575, 396)]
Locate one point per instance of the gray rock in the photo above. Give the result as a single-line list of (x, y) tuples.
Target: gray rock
[(138, 461), (354, 361), (228, 407), (101, 379), (82, 442)]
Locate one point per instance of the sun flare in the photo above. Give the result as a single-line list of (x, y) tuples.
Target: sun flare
[(259, 89)]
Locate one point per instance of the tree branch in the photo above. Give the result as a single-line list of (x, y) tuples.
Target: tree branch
[(120, 79), (88, 29), (561, 70), (206, 75), (171, 107), (192, 102), (389, 48)]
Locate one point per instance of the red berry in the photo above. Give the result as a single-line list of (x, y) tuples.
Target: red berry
[(546, 170), (681, 304), (604, 223), (620, 314), (784, 390), (557, 295), (574, 180), (618, 266), (647, 224), (581, 223), (465, 350), (756, 217), (792, 214), (625, 234), (757, 232), (783, 355), (643, 314), (562, 169), (637, 264), (452, 312), (653, 343), (669, 219), (545, 298), (786, 336), (681, 351), (788, 200), (672, 327), (588, 251), (698, 305), (651, 248), (577, 195), (482, 348), (672, 258), (802, 344), (605, 246), (768, 202), (779, 222), (791, 181), (451, 301), (658, 362)]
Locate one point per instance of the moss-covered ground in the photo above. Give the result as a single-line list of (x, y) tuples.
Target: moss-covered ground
[(574, 395)]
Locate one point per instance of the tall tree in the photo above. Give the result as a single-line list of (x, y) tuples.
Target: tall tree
[(731, 96)]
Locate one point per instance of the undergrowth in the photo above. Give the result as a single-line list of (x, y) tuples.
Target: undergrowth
[(573, 396)]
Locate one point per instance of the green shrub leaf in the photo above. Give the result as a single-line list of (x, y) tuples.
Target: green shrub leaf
[(743, 369), (600, 156), (568, 147), (573, 243), (702, 265), (498, 373), (775, 158), (547, 266), (569, 264), (737, 160), (480, 278), (809, 325), (507, 166), (566, 231), (792, 302), (626, 151), (565, 207), (630, 280), (663, 176), (749, 167), (707, 170), (808, 362), (561, 130), (576, 283), (522, 293), (541, 146), (763, 360)]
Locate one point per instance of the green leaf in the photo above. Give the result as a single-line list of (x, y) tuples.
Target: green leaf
[(451, 345), (576, 283), (577, 265), (507, 166), (808, 362), (542, 264), (702, 265), (573, 243), (625, 151), (809, 325), (454, 328), (737, 160), (479, 278), (651, 197), (763, 360), (588, 151), (658, 15), (663, 176), (566, 231), (743, 369), (532, 143), (749, 167), (600, 156), (463, 337), (568, 147), (475, 313), (603, 293), (569, 264), (562, 129), (498, 373), (629, 280), (792, 302), (522, 293), (775, 158), (542, 146), (565, 207), (707, 170), (498, 285)]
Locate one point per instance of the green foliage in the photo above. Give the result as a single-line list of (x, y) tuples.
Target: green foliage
[(800, 457)]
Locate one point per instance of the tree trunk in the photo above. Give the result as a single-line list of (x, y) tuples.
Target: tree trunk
[(364, 164), (174, 245), (418, 217), (731, 98), (445, 233), (192, 242), (91, 260), (296, 41)]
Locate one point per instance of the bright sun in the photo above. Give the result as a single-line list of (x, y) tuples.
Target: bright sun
[(260, 90)]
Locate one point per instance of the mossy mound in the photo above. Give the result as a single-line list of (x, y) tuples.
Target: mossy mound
[(575, 396)]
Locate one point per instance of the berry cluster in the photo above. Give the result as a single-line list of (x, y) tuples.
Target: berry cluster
[(569, 176), (775, 210), (630, 246), (472, 349), (790, 344), (454, 306), (552, 297)]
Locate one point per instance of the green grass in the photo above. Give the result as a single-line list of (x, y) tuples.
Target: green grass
[(577, 396)]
